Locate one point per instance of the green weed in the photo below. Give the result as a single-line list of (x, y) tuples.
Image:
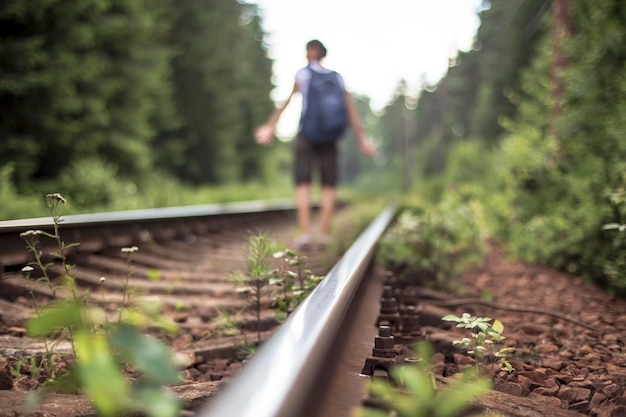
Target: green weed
[(484, 336), (412, 391), (258, 250), (103, 350), (295, 283), (433, 247)]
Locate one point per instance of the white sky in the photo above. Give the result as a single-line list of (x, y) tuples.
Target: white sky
[(372, 43)]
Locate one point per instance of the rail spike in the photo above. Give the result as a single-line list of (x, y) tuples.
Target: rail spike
[(383, 356)]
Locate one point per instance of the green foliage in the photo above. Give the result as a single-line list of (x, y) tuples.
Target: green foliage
[(80, 79), (258, 250), (294, 285), (563, 158), (16, 206), (484, 336), (226, 324), (89, 182), (103, 350), (434, 246), (414, 392), (477, 91), (221, 79), (615, 268), (129, 87)]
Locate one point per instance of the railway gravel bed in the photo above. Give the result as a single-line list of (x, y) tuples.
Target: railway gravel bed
[(188, 273), (569, 338)]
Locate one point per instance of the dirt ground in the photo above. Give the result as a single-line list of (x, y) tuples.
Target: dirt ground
[(569, 341), (569, 337)]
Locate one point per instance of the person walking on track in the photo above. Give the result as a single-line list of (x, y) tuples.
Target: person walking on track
[(327, 109)]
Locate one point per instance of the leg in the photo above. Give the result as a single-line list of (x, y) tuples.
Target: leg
[(303, 207), (327, 210), (329, 179), (302, 170)]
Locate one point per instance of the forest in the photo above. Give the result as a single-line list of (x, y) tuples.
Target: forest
[(121, 104)]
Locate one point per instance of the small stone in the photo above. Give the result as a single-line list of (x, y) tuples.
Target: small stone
[(573, 394), (612, 391), (511, 388), (546, 391), (553, 363), (438, 363), (461, 359), (553, 401), (537, 376), (533, 328), (619, 411), (597, 400), (6, 382), (546, 348)]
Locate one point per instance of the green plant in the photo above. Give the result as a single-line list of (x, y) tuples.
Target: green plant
[(226, 324), (615, 265), (258, 250), (413, 391), (104, 352), (16, 370), (484, 336), (294, 285), (434, 246)]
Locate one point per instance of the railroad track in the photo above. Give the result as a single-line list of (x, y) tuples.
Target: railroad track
[(359, 322), (193, 251)]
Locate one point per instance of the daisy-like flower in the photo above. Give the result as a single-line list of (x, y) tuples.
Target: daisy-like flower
[(30, 233), (130, 249), (56, 196), (102, 279)]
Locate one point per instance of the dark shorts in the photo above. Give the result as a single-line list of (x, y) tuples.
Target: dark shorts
[(309, 157)]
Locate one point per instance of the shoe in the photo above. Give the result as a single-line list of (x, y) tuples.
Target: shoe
[(303, 242), (323, 241)]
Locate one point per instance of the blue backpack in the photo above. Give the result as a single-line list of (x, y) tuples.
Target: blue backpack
[(325, 117)]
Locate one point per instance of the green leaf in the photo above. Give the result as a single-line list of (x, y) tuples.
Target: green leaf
[(280, 315), (158, 402), (451, 317), (276, 280), (101, 377), (149, 355), (62, 315), (461, 393), (418, 381), (154, 275), (497, 326)]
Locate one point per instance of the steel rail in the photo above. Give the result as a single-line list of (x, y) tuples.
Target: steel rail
[(122, 228), (278, 380), (155, 214)]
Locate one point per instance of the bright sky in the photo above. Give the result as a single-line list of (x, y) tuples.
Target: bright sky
[(373, 43)]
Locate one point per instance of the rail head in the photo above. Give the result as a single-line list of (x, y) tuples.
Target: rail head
[(124, 227), (154, 214), (276, 382)]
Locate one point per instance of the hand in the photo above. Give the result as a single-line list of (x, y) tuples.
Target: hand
[(264, 134), (367, 148)]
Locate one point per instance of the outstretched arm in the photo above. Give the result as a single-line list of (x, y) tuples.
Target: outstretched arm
[(264, 134), (355, 123)]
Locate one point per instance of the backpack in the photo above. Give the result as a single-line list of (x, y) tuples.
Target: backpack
[(325, 117)]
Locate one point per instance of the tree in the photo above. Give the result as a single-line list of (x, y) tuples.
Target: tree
[(222, 84), (81, 79)]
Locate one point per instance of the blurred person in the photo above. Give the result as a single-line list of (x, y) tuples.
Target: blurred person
[(311, 155)]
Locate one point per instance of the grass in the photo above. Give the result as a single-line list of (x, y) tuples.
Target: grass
[(161, 193)]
